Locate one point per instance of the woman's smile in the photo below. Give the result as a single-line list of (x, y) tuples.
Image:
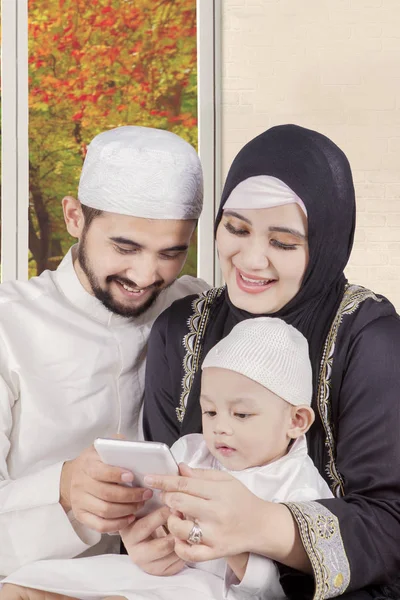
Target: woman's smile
[(252, 284)]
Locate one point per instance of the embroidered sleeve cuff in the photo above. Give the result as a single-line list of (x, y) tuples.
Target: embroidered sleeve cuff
[(320, 534), (261, 580)]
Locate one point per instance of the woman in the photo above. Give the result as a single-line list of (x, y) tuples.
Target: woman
[(284, 233)]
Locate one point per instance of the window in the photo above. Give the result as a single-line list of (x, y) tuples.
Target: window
[(78, 68)]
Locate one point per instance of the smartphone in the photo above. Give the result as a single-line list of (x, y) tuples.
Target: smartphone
[(141, 458)]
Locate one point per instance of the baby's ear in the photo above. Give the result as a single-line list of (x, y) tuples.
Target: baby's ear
[(302, 417)]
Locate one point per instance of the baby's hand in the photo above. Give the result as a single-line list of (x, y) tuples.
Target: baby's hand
[(10, 591), (149, 545)]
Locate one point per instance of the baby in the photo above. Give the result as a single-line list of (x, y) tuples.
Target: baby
[(255, 399)]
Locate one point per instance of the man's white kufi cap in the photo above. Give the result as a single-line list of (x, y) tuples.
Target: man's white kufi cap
[(142, 172), (270, 352)]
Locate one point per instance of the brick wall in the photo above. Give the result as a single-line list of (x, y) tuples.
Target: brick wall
[(334, 66)]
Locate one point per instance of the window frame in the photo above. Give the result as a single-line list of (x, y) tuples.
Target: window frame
[(15, 141)]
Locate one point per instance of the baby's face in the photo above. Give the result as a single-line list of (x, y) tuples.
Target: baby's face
[(244, 424)]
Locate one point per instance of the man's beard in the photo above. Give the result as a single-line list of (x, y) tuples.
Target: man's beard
[(105, 297)]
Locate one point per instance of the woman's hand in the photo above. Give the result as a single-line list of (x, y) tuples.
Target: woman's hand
[(150, 547), (226, 511), (232, 519)]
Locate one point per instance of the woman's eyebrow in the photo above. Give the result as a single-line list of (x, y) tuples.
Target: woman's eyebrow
[(232, 213), (295, 232), (288, 230)]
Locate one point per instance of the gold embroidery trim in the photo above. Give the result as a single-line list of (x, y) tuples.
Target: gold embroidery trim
[(319, 528), (320, 533), (354, 295), (197, 324)]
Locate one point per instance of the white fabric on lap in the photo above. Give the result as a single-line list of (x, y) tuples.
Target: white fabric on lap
[(98, 576)]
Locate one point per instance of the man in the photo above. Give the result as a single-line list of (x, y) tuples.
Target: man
[(73, 345)]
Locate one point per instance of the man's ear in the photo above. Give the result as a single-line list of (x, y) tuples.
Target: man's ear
[(302, 417), (73, 216)]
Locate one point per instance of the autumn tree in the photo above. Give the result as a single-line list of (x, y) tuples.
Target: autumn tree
[(93, 66)]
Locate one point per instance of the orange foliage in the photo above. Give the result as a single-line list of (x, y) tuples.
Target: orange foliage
[(94, 65), (88, 58)]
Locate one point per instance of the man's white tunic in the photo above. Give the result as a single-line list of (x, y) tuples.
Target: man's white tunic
[(70, 371)]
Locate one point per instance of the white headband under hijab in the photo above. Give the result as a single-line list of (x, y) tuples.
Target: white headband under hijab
[(262, 191)]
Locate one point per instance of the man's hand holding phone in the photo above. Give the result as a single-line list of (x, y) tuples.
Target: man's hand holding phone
[(93, 491), (141, 459), (146, 540)]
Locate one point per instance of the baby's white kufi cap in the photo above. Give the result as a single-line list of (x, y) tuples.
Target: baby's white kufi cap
[(142, 172), (270, 352)]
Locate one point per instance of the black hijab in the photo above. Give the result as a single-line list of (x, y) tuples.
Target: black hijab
[(319, 173)]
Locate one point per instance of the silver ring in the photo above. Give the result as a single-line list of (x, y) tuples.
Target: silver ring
[(195, 535)]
